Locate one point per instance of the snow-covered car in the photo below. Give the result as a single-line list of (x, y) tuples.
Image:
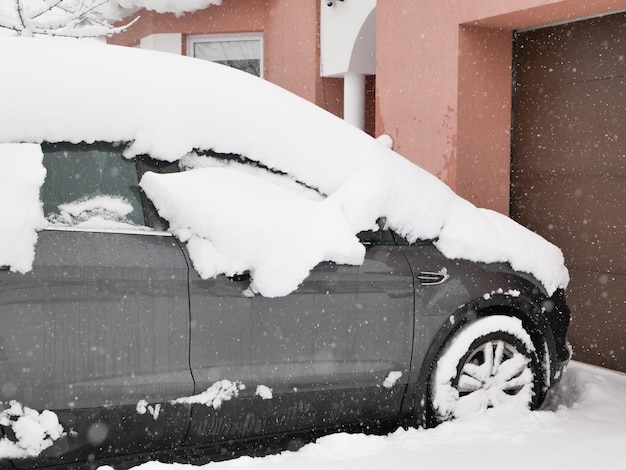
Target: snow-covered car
[(192, 256)]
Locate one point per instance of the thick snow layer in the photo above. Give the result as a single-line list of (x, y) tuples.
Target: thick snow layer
[(110, 94), (580, 427), (21, 213), (194, 161), (234, 222)]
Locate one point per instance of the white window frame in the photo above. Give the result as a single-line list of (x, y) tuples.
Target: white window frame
[(202, 38)]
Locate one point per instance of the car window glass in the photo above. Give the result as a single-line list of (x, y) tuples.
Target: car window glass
[(145, 164), (90, 182)]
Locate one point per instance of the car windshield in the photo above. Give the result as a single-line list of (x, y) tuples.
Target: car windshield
[(91, 184)]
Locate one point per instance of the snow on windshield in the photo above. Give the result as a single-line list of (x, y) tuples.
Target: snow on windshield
[(119, 94), (21, 212)]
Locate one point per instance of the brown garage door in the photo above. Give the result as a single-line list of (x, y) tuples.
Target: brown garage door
[(568, 168)]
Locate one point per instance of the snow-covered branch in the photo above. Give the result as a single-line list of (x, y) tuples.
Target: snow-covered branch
[(73, 18)]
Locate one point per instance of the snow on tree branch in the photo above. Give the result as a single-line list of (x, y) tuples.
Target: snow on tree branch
[(118, 9), (72, 18)]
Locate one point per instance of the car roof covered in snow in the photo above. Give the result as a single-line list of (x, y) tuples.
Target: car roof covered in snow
[(166, 106)]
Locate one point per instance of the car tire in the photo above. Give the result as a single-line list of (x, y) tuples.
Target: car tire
[(491, 362)]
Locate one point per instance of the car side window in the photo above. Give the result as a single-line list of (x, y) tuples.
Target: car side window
[(90, 185), (145, 164)]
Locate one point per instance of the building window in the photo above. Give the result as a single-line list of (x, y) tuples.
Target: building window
[(240, 51)]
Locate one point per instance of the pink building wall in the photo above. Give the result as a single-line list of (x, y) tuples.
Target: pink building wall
[(444, 84), (290, 36), (443, 73)]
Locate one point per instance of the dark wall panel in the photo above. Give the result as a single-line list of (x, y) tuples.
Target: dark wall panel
[(568, 179)]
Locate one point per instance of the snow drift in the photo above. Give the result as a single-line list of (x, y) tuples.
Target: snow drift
[(580, 427), (168, 106)]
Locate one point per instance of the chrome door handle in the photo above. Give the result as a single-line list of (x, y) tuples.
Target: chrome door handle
[(428, 278)]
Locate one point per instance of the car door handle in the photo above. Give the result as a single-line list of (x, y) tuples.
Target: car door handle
[(428, 278)]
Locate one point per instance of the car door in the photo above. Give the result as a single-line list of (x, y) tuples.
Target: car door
[(98, 330), (335, 351), (338, 349)]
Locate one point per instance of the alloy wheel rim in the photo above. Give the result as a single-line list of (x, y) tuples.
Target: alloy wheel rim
[(495, 366)]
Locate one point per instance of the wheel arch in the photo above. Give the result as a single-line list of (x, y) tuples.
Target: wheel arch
[(526, 310)]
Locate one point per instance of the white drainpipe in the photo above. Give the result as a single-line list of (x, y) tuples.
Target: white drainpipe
[(354, 99)]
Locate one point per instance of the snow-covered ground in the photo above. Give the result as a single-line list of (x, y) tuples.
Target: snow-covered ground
[(582, 426)]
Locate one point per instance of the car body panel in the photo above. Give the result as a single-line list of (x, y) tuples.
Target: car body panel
[(334, 341), (478, 289), (101, 322)]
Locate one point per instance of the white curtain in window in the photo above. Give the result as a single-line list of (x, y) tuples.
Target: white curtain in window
[(222, 51)]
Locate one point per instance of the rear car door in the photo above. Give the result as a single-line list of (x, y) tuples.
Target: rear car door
[(98, 330)]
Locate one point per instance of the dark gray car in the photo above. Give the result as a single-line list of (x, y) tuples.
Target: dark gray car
[(114, 331)]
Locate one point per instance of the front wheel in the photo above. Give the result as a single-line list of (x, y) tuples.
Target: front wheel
[(489, 363)]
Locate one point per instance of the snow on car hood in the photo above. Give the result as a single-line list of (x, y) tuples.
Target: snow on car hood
[(56, 89)]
